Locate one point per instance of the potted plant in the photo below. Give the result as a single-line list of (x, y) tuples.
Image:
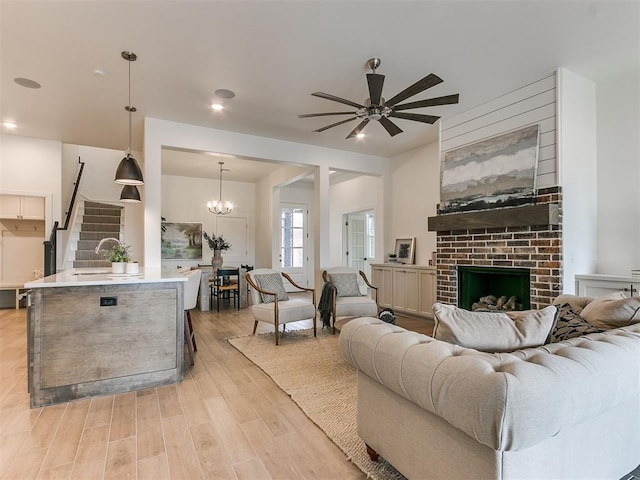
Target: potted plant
[(217, 244), (118, 255)]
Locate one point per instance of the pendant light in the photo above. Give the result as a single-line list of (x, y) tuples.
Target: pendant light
[(128, 172), (218, 206), (130, 194)]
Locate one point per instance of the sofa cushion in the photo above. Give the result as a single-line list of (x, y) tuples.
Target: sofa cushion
[(346, 284), (271, 282), (612, 311), (569, 324), (492, 331)]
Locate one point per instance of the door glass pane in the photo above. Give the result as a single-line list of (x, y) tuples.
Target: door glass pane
[(292, 248)]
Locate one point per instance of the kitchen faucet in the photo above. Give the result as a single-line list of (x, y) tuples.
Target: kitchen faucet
[(107, 239)]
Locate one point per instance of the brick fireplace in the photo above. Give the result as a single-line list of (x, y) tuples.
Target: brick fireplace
[(526, 237)]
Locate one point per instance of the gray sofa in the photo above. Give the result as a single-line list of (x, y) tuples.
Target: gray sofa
[(440, 411)]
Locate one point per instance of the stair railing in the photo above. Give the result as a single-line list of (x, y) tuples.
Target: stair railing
[(50, 246)]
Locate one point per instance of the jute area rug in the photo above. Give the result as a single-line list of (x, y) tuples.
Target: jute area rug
[(314, 374)]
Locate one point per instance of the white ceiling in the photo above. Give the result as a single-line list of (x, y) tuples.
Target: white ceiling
[(273, 55)]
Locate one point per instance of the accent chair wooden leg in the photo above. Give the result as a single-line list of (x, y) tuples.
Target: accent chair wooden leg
[(255, 326), (315, 316), (373, 455)]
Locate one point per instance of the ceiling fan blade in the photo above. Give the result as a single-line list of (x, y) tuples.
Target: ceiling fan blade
[(430, 102), (335, 124), (375, 81), (390, 127), (415, 117), (359, 128), (337, 99), (307, 115), (420, 86)]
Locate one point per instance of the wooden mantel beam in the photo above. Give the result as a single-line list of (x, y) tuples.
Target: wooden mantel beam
[(521, 216)]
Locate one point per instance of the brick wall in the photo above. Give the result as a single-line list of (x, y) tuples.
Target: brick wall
[(538, 247)]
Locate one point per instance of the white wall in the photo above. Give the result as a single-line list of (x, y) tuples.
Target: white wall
[(531, 104), (577, 174), (32, 166), (618, 179), (97, 185), (415, 187), (356, 195), (184, 199)]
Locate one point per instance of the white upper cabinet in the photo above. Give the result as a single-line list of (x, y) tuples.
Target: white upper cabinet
[(22, 207)]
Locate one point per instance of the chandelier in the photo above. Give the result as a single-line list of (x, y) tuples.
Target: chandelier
[(218, 206), (128, 172)]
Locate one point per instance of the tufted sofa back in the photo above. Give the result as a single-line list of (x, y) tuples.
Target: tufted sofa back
[(507, 401)]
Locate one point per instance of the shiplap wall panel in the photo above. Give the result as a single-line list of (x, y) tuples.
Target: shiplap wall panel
[(531, 104)]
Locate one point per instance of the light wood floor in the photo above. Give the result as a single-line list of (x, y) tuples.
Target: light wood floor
[(226, 420)]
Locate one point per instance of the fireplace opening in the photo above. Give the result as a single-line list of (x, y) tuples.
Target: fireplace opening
[(475, 283)]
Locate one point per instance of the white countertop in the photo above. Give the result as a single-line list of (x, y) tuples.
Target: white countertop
[(80, 277)]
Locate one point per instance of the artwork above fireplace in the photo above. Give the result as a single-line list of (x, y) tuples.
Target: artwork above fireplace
[(495, 172)]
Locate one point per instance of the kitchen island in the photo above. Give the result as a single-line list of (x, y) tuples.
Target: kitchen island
[(94, 333)]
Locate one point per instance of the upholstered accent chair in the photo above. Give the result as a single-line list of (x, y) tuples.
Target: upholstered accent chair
[(271, 302), (351, 297)]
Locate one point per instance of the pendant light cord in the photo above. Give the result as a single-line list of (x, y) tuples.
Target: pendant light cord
[(129, 109)]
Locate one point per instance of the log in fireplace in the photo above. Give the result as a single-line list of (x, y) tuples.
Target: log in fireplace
[(477, 282)]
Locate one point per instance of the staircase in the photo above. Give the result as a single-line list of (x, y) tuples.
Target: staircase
[(99, 221)]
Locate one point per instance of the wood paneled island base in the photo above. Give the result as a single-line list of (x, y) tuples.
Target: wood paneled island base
[(88, 340)]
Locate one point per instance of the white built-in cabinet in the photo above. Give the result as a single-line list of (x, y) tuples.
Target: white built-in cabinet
[(408, 289), (21, 207), (595, 285)]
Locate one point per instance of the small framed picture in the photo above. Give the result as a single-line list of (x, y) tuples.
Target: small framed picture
[(405, 249)]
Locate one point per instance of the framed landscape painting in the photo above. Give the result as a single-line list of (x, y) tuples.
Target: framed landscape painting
[(181, 241), (405, 250), (496, 172)]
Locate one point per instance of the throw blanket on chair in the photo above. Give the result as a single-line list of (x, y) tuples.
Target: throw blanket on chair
[(325, 304)]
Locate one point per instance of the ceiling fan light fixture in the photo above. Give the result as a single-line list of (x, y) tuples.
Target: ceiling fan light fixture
[(377, 108), (129, 172), (360, 135)]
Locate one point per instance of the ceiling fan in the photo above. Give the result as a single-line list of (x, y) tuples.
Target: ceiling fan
[(377, 108)]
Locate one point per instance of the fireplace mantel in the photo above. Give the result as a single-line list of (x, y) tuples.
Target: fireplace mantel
[(521, 216)]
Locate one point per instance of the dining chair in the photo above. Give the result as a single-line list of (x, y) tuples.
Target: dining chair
[(225, 286)]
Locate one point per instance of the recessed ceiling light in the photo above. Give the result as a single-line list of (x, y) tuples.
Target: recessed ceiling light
[(224, 93), (360, 135), (217, 107), (10, 125), (25, 82), (98, 72)]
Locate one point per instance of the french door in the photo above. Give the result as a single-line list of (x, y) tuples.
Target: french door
[(360, 240), (293, 257)]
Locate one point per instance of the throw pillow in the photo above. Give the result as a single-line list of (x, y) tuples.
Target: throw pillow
[(576, 303), (346, 284), (492, 331), (271, 282), (612, 311), (569, 324)]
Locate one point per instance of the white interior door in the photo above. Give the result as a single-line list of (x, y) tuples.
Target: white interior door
[(360, 237), (293, 256), (234, 230)]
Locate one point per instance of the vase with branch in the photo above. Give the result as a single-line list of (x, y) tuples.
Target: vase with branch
[(217, 244)]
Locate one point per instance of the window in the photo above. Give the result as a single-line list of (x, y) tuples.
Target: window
[(292, 248)]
